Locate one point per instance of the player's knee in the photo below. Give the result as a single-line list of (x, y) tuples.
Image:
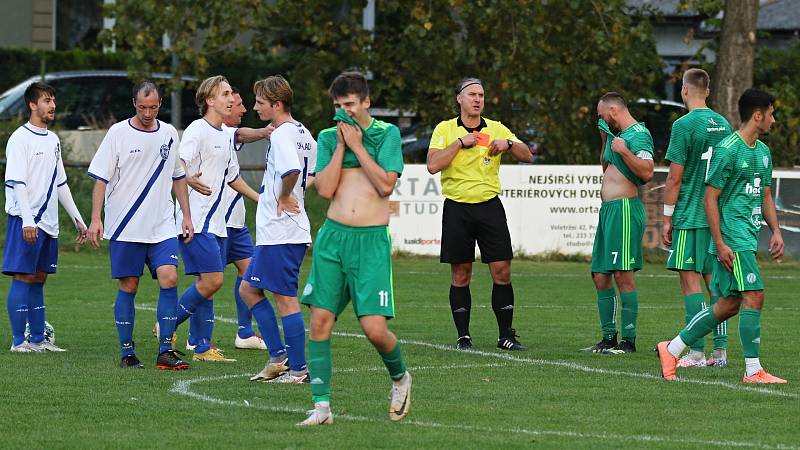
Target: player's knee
[(502, 275), (129, 284), (461, 276), (321, 326), (624, 280), (168, 280), (210, 284), (601, 281)]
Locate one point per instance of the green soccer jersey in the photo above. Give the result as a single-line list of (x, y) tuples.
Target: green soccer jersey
[(639, 141), (691, 144), (741, 173), (380, 139)]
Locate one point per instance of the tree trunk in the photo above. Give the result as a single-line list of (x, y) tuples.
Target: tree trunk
[(734, 67)]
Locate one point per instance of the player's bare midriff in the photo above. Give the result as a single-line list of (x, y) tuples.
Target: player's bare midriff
[(356, 202), (616, 185)]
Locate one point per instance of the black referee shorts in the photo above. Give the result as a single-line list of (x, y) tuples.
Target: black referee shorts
[(465, 223)]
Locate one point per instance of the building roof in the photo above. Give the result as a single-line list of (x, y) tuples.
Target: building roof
[(774, 15)]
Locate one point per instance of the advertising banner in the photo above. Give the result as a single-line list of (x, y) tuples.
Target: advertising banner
[(554, 209)]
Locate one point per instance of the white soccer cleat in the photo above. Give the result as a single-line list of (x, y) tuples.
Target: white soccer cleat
[(272, 370), (25, 347), (401, 398), (47, 346), (691, 361), (254, 342), (189, 346), (320, 415), (292, 378)]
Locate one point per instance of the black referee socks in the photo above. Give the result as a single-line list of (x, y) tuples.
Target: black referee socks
[(460, 304), (503, 306)]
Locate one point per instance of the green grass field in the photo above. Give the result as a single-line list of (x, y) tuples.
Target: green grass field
[(548, 397)]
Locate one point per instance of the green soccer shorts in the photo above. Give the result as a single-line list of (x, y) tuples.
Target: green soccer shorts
[(690, 251), (351, 263), (745, 276), (618, 238)]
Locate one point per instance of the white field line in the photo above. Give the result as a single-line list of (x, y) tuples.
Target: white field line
[(553, 363), (514, 274), (184, 387)]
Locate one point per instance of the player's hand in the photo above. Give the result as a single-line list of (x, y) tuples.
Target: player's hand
[(187, 229), (618, 145), (194, 182), (95, 233), (352, 135), (339, 136), (666, 231), (82, 234), (776, 246), (288, 204), (29, 234), (725, 256), (268, 130), (498, 146), (469, 140)]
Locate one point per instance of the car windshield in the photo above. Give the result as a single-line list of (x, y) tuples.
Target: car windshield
[(12, 96)]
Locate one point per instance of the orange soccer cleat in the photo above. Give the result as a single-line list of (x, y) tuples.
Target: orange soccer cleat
[(762, 377), (668, 362)]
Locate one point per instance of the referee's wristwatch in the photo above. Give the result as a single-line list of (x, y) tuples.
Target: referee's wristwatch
[(510, 144)]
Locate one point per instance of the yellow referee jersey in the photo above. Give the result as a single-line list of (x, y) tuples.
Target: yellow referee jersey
[(473, 176)]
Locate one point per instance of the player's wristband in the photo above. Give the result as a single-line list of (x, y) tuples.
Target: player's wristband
[(668, 210), (462, 143)]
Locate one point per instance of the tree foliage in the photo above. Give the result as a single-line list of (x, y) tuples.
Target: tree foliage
[(544, 63)]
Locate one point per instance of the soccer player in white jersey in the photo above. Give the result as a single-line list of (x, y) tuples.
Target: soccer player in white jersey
[(283, 233), (239, 244), (35, 182), (137, 168), (210, 162)]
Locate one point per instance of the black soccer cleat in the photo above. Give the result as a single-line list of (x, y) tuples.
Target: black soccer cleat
[(601, 347), (130, 362), (170, 360), (624, 346), (510, 342), (464, 343)]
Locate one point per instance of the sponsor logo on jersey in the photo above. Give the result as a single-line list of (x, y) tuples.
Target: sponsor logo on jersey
[(690, 260), (745, 165), (164, 151), (255, 279), (765, 160), (308, 289), (57, 151), (486, 161), (755, 188), (713, 126), (173, 257), (751, 278)]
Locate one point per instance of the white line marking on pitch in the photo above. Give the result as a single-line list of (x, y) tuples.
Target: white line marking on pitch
[(577, 275), (183, 387), (555, 363)]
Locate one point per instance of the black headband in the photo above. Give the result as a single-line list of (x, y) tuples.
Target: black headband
[(467, 85)]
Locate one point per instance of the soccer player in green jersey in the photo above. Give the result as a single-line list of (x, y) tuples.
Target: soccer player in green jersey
[(358, 162), (627, 161), (738, 183), (685, 229)]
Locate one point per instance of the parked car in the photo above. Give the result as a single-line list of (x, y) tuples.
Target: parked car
[(658, 116), (92, 99)]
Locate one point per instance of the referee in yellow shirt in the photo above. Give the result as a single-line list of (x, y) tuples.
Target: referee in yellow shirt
[(467, 150)]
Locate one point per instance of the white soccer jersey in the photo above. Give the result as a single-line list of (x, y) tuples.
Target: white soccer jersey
[(138, 167), (292, 149), (33, 158), (232, 201), (208, 150)]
